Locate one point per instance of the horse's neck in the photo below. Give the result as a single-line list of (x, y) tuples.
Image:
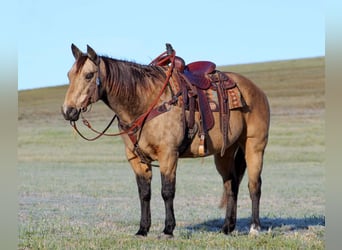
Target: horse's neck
[(130, 108)]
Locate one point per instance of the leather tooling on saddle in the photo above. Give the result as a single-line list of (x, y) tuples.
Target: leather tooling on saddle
[(204, 89)]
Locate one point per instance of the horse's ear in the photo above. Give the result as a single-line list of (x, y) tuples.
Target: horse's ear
[(92, 55), (76, 51)]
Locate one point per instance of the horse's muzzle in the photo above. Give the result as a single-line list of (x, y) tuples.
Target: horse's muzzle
[(70, 113)]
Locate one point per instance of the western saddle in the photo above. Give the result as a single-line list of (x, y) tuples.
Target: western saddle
[(198, 83)]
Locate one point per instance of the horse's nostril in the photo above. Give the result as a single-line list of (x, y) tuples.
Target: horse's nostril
[(70, 113)]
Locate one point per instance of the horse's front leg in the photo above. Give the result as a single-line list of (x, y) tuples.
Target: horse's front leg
[(168, 166), (143, 173), (144, 188)]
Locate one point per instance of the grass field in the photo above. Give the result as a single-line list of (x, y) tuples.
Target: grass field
[(75, 194)]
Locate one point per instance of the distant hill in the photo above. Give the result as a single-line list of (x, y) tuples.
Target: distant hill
[(288, 84)]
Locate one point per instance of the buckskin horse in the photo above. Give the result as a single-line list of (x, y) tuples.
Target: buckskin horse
[(167, 110)]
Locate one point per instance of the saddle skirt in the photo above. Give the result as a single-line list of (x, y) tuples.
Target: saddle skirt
[(234, 98)]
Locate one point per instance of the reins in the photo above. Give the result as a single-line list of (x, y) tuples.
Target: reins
[(86, 123), (137, 123)]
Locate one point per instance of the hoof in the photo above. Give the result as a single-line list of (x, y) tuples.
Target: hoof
[(254, 230), (141, 234), (227, 229)]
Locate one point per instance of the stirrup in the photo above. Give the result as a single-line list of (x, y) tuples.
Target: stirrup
[(201, 150)]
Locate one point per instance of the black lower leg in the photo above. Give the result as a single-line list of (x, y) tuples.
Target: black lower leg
[(237, 175), (144, 188), (255, 194), (230, 220), (168, 194)]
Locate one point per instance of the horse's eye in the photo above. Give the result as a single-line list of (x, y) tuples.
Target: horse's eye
[(89, 76)]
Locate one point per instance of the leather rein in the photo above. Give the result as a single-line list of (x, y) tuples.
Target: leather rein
[(137, 124)]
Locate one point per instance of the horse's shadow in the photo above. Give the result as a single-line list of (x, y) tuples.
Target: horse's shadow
[(274, 224)]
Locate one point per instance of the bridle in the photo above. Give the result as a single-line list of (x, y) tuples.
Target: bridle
[(137, 124)]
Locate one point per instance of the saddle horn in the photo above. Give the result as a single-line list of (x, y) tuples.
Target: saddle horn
[(169, 48)]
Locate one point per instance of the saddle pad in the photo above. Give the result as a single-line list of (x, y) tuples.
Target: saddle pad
[(234, 97)]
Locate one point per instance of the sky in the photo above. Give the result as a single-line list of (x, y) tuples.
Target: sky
[(223, 31)]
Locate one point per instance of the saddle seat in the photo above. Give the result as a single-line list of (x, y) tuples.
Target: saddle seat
[(197, 73), (201, 67), (202, 74)]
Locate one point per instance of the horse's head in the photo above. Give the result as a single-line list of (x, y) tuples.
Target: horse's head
[(84, 78)]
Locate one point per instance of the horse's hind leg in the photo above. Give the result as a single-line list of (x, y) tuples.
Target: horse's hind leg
[(254, 152), (231, 167), (143, 174)]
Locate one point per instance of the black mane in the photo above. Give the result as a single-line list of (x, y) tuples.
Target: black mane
[(122, 77)]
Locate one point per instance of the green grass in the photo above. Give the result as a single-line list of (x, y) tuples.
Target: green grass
[(75, 194)]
